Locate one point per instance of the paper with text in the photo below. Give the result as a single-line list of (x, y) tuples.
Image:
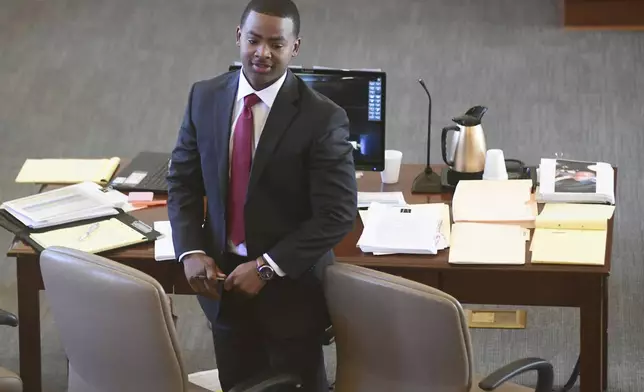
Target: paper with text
[(72, 203), (408, 229), (445, 226)]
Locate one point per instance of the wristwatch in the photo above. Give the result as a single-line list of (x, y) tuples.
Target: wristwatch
[(264, 270)]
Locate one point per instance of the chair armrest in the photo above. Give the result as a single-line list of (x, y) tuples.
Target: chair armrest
[(267, 381), (545, 374), (7, 318)]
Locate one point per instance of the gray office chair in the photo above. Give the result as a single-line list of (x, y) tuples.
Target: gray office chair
[(393, 334), (116, 327), (9, 381)]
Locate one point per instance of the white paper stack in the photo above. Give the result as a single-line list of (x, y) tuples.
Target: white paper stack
[(391, 198), (409, 229), (569, 181), (163, 247), (72, 203)]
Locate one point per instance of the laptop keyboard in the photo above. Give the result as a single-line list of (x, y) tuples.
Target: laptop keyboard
[(156, 180)]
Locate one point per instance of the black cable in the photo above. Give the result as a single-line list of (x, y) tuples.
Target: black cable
[(571, 380)]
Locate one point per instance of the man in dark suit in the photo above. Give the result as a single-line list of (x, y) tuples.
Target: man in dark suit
[(274, 161)]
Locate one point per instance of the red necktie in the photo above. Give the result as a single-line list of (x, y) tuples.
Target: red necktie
[(240, 165)]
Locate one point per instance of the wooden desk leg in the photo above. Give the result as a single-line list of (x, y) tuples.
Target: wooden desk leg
[(605, 330), (591, 339), (29, 326)]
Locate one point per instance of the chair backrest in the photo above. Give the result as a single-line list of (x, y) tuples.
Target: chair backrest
[(393, 334), (9, 381), (115, 324)]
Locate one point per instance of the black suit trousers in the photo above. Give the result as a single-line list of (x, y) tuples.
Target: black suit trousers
[(279, 330)]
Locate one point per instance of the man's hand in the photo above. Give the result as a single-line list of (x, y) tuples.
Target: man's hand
[(245, 279), (203, 274)]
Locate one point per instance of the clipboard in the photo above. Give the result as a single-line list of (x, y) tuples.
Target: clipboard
[(36, 238)]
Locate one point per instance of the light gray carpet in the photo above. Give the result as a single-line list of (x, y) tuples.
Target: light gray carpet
[(87, 78)]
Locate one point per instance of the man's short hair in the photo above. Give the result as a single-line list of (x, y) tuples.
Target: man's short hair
[(279, 8)]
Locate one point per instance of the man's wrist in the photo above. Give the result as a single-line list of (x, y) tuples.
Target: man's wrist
[(264, 270), (273, 264), (184, 255)]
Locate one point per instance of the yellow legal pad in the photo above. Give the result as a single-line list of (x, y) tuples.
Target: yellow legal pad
[(571, 234), (67, 171), (92, 238)]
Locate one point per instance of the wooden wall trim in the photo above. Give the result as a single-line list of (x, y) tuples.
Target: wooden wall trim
[(604, 14)]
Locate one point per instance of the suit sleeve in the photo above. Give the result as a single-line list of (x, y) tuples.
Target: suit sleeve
[(333, 198), (186, 188)]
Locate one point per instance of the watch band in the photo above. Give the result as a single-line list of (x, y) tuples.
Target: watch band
[(263, 265)]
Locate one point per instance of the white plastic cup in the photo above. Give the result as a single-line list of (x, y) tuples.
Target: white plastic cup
[(495, 166), (393, 160)]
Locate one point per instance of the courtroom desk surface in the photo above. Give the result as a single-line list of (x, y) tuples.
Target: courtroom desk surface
[(347, 251)]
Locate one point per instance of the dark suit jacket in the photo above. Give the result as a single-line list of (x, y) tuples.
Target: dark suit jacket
[(301, 198)]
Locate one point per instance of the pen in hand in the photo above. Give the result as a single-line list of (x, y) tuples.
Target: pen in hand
[(218, 277)]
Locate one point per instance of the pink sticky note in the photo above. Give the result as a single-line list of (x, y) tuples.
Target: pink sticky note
[(140, 196)]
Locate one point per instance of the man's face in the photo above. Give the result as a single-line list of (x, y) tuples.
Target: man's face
[(267, 44)]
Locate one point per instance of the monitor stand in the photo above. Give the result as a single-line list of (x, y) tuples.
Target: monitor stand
[(359, 174)]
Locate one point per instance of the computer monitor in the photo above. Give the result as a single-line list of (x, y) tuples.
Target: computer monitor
[(362, 95)]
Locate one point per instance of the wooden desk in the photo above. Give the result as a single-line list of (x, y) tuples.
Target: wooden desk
[(538, 285)]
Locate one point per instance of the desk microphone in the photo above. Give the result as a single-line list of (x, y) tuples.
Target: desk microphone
[(427, 181)]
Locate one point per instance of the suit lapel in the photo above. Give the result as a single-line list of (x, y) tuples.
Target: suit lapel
[(222, 121), (280, 117)]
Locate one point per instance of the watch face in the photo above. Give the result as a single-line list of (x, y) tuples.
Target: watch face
[(266, 272)]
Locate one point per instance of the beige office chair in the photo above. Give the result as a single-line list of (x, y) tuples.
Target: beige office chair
[(116, 327), (9, 381), (393, 334)]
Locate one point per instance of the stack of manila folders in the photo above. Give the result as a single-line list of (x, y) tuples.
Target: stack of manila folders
[(492, 221), (82, 216), (393, 227)]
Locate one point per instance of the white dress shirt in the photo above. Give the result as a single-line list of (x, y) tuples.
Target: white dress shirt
[(260, 114)]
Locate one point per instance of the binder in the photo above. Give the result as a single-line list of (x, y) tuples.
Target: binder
[(101, 234)]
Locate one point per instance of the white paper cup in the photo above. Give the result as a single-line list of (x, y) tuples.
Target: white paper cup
[(495, 166), (393, 159)]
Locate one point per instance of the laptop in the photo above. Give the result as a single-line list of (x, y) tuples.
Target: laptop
[(146, 173)]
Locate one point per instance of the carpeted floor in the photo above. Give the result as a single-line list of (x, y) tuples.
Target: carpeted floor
[(87, 78)]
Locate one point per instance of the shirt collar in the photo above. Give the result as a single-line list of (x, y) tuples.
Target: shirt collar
[(267, 95)]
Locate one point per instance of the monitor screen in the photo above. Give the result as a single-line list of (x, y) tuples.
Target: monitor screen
[(362, 95)]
